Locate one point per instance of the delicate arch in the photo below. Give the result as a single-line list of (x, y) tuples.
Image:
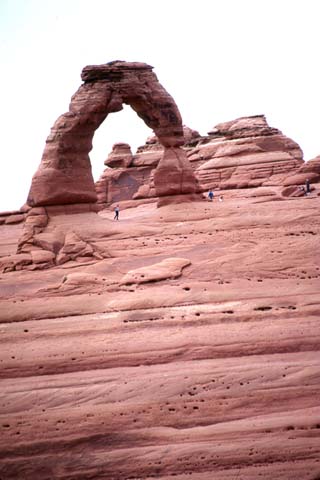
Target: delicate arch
[(64, 175)]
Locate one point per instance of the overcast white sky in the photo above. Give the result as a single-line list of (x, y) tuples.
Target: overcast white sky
[(219, 59)]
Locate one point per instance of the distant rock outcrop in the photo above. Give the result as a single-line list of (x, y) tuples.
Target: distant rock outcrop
[(120, 157), (245, 153), (135, 180), (242, 153)]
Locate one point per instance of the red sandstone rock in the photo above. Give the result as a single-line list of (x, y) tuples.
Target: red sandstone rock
[(213, 374), (300, 178), (312, 166), (245, 153), (42, 257), (11, 217), (14, 219), (309, 170), (64, 175), (292, 191), (254, 126), (117, 185), (137, 183), (51, 241), (149, 154), (14, 262), (174, 174), (242, 153), (120, 157), (168, 268)]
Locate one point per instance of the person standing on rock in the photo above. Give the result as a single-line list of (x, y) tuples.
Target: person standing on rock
[(308, 189), (116, 213), (210, 195)]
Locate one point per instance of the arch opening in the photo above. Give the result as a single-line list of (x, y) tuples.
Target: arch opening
[(124, 127)]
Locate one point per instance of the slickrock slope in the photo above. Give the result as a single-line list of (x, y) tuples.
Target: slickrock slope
[(190, 350)]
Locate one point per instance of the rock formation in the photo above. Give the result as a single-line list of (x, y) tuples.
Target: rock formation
[(136, 179), (242, 153), (64, 175), (120, 157), (177, 343), (245, 153), (309, 170)]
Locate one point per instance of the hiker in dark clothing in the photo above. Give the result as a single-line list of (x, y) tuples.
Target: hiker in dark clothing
[(116, 213), (308, 189), (210, 195)]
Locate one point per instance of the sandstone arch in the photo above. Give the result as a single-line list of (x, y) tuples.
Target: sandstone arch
[(64, 175)]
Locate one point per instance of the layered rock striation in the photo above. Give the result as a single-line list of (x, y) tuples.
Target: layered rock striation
[(243, 153), (191, 351), (136, 180)]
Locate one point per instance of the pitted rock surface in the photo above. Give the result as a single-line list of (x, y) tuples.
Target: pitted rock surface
[(168, 268), (205, 372)]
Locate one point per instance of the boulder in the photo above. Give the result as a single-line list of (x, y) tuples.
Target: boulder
[(42, 257), (120, 157)]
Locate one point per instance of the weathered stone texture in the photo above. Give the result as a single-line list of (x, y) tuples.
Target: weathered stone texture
[(189, 351), (64, 175)]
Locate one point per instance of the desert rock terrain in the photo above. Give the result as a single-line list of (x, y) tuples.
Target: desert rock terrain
[(189, 349), (182, 339)]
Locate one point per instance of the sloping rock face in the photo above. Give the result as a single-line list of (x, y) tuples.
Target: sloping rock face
[(190, 351), (312, 166), (64, 175), (43, 244), (308, 171)]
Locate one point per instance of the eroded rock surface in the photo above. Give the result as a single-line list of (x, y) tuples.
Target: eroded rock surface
[(64, 175), (136, 180), (168, 268), (241, 153), (208, 371), (120, 157)]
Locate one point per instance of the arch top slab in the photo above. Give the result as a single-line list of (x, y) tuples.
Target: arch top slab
[(64, 175), (138, 86)]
